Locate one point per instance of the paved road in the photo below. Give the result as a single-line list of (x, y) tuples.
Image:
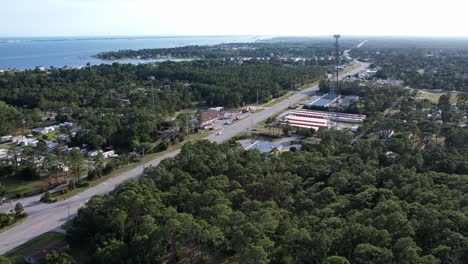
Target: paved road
[(45, 217)]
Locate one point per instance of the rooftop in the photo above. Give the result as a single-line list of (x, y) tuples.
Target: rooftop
[(264, 146)]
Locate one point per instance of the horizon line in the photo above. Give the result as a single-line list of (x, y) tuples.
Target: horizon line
[(228, 35)]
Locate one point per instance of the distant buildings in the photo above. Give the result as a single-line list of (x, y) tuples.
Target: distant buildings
[(24, 141), (391, 82), (45, 130), (40, 68)]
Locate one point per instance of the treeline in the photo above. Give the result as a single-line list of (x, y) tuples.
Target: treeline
[(288, 49), (176, 85), (337, 203)]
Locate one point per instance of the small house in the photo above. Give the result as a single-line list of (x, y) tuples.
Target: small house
[(5, 138), (109, 154)]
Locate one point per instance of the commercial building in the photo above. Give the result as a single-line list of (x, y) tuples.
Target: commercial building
[(317, 119), (210, 116), (325, 100)]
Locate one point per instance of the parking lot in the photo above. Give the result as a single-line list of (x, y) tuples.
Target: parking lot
[(226, 121)]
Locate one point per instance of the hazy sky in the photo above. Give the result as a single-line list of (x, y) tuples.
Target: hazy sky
[(233, 17)]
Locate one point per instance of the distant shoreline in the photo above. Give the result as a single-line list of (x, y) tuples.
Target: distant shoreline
[(25, 53), (57, 39)]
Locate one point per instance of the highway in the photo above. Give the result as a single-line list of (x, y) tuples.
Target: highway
[(46, 217)]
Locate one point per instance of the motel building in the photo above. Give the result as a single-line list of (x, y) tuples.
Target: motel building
[(317, 119)]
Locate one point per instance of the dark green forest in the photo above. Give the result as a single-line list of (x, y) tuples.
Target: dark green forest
[(339, 203), (400, 200)]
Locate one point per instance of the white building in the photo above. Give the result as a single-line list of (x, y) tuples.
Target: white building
[(45, 130), (109, 154), (3, 153), (6, 138), (94, 153), (217, 109), (317, 119), (17, 139)]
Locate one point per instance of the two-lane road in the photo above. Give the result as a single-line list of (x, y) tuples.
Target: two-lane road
[(46, 217)]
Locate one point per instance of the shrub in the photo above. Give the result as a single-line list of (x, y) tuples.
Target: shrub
[(47, 198), (5, 220), (163, 146), (82, 184), (108, 168), (28, 173)]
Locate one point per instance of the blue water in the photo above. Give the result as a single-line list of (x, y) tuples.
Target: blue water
[(27, 53)]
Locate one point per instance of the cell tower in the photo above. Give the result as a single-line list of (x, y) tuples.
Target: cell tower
[(333, 107)]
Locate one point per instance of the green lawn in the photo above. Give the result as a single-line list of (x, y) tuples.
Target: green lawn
[(24, 188), (17, 254), (13, 186), (434, 97)]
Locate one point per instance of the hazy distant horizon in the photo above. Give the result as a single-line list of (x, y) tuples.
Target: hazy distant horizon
[(242, 17), (85, 37)]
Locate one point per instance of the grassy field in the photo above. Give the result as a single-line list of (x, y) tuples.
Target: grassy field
[(14, 186), (123, 169), (17, 254), (434, 97)]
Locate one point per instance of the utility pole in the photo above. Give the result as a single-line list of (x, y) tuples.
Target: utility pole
[(334, 88), (187, 125), (144, 159), (257, 98), (152, 78)]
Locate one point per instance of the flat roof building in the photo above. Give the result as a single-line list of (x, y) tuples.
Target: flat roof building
[(317, 119), (264, 146)]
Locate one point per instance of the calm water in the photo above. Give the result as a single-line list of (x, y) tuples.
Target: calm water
[(27, 53)]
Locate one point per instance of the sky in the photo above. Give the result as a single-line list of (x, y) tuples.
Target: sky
[(232, 17)]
